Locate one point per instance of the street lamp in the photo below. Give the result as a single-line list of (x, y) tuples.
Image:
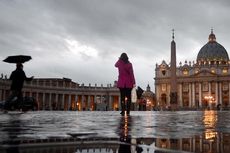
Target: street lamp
[(210, 99)]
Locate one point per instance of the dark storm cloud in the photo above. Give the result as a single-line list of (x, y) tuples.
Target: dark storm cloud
[(65, 37)]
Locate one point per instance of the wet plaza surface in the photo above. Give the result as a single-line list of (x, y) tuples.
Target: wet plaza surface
[(109, 132)]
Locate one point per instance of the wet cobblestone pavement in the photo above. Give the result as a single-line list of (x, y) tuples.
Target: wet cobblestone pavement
[(102, 132)]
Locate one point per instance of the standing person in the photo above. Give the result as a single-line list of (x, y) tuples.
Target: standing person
[(17, 77), (126, 82)]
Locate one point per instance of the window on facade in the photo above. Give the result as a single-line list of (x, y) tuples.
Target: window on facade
[(163, 72), (205, 86), (213, 71), (225, 86), (213, 87), (185, 87), (196, 71), (185, 71), (163, 87), (225, 71)]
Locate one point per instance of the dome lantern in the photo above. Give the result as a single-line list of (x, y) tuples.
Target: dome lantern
[(212, 37)]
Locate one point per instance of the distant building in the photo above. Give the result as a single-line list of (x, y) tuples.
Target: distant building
[(204, 83), (149, 99)]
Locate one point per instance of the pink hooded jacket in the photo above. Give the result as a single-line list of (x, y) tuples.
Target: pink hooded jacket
[(126, 77)]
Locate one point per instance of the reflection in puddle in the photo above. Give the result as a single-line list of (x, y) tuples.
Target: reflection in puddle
[(100, 132), (199, 144), (218, 143)]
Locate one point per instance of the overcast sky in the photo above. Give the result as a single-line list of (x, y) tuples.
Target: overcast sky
[(82, 39)]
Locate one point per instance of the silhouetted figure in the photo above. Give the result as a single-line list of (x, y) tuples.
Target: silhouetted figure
[(218, 107), (17, 77), (126, 82), (126, 147)]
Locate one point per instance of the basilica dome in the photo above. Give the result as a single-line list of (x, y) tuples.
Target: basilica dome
[(212, 51)]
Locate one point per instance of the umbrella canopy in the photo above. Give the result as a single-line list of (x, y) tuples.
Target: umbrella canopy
[(17, 59)]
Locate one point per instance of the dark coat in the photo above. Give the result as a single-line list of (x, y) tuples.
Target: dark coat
[(18, 76), (126, 77)]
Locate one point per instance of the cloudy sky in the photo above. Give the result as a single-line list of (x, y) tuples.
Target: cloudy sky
[(82, 39)]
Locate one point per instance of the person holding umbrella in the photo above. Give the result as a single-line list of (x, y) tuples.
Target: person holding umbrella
[(17, 77)]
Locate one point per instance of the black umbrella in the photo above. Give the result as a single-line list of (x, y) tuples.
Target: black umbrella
[(17, 59)]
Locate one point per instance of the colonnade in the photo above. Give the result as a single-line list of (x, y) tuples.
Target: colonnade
[(54, 97), (66, 101)]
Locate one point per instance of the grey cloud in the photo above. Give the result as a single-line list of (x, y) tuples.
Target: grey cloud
[(140, 28)]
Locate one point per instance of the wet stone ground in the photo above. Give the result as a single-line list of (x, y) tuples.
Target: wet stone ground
[(102, 132)]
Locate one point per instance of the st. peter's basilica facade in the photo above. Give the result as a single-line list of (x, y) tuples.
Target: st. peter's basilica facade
[(204, 83)]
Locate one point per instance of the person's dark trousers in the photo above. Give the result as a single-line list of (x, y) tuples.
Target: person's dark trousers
[(10, 101), (125, 103)]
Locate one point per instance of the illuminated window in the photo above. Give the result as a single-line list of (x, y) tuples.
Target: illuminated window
[(196, 71), (213, 71), (185, 72), (225, 71)]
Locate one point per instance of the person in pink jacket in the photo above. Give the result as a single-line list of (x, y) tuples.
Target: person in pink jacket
[(126, 81)]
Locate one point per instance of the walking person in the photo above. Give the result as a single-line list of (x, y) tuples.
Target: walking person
[(17, 77), (125, 83)]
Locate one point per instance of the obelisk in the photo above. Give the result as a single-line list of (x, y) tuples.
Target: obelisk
[(173, 79)]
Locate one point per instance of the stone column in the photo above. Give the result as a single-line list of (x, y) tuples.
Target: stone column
[(209, 93), (88, 105), (110, 103), (83, 102), (63, 102), (217, 95), (220, 96), (50, 102), (200, 95), (119, 102), (36, 98), (190, 95), (76, 102), (95, 101), (193, 95), (56, 101), (158, 97), (168, 95), (180, 95), (43, 100), (69, 102)]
